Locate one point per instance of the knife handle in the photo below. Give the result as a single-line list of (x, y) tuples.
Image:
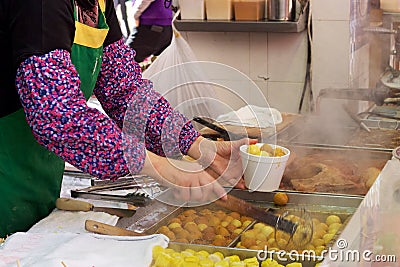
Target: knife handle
[(73, 205), (106, 229)]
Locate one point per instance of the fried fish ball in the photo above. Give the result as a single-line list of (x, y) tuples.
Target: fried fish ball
[(322, 226), (220, 230), (189, 212), (183, 234), (196, 235), (228, 218), (235, 215), (248, 241), (237, 231), (333, 219), (224, 223), (177, 230), (175, 220), (327, 238), (249, 233), (267, 230), (258, 226), (201, 220), (318, 242), (220, 215), (231, 228), (237, 223), (246, 223), (191, 227), (174, 225), (219, 240), (209, 236), (245, 218), (214, 221), (202, 226), (163, 229), (170, 235), (334, 227), (205, 212), (261, 237)]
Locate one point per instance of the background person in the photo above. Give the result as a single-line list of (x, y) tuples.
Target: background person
[(124, 14), (153, 29)]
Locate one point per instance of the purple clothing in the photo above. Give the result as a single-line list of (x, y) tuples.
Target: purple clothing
[(61, 121), (156, 14)]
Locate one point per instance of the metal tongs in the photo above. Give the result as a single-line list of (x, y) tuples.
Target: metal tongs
[(108, 190), (212, 124)]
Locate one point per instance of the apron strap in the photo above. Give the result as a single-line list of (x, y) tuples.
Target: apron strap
[(102, 5)]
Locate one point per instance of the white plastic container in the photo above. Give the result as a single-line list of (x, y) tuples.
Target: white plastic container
[(249, 10), (263, 173), (390, 5), (192, 9), (219, 9)]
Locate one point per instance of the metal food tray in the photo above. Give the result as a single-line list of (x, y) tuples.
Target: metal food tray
[(308, 131), (361, 159), (316, 203), (382, 117)]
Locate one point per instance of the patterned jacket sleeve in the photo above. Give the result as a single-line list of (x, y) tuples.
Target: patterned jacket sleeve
[(122, 90), (60, 120)]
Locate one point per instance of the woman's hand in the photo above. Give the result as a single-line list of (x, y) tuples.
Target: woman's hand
[(221, 159), (188, 179)]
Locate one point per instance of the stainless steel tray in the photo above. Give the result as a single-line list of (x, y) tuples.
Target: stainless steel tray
[(322, 204), (356, 160)]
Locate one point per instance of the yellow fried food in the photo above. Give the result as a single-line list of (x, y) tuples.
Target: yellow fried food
[(267, 148), (333, 219), (278, 152), (253, 149), (281, 199)]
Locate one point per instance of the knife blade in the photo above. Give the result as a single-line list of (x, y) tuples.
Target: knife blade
[(245, 208), (78, 205)]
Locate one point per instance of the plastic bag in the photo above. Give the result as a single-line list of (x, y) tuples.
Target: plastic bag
[(177, 76), (372, 237)]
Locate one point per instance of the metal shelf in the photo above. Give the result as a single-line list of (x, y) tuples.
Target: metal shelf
[(243, 26)]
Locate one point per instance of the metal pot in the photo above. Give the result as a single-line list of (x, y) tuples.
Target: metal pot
[(281, 9)]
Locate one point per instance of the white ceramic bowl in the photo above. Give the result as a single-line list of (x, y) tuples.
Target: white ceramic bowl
[(262, 173)]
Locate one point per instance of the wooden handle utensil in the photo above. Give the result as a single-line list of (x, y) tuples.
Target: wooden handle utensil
[(106, 229)]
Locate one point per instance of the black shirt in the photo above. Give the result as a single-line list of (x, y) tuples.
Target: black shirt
[(37, 27)]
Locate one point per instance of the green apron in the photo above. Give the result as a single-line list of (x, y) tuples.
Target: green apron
[(30, 175)]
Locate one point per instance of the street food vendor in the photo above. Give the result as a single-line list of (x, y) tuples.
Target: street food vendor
[(54, 56)]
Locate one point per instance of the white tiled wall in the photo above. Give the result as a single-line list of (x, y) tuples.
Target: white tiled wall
[(331, 10), (335, 63), (275, 62)]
